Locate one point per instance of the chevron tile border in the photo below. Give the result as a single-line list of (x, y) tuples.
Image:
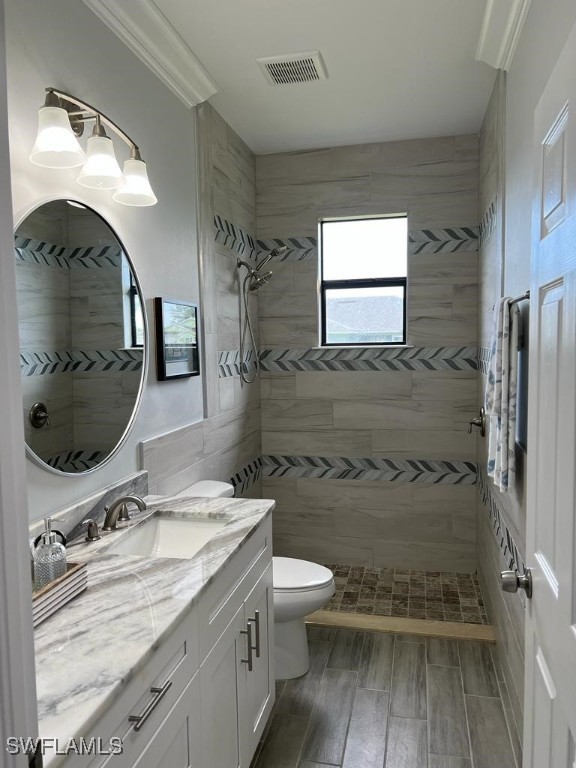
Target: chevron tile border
[(229, 363), (420, 241), (76, 461), (298, 248), (46, 363), (52, 255), (234, 237), (508, 548), (247, 476), (389, 470), (488, 223), (367, 359), (449, 240)]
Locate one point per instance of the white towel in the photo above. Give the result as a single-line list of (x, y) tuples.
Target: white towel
[(500, 399)]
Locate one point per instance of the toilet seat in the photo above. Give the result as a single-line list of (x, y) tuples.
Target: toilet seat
[(295, 576)]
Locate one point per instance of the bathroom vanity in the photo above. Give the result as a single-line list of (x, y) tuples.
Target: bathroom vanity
[(169, 655)]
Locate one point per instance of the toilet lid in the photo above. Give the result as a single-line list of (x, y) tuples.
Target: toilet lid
[(290, 574)]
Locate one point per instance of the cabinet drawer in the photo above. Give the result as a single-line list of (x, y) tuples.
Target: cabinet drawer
[(222, 598), (149, 695)]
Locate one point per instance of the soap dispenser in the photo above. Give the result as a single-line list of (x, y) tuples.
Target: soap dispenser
[(49, 558)]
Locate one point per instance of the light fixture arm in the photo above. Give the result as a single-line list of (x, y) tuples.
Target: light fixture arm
[(93, 113)]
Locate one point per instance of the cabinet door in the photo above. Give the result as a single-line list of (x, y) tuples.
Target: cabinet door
[(221, 676), (177, 743), (260, 687)]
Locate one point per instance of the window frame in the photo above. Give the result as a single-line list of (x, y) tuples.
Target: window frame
[(133, 294), (376, 282)]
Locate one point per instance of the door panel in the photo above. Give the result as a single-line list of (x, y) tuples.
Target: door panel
[(550, 702), (219, 675), (260, 685)]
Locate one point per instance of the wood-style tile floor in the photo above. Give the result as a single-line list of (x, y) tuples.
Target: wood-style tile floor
[(411, 594), (374, 700)]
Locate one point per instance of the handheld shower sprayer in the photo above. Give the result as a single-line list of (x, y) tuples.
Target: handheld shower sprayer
[(251, 282), (274, 253)]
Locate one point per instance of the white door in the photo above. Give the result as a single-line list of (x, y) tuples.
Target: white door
[(550, 702)]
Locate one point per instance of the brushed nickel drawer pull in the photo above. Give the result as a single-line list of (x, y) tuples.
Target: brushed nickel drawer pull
[(159, 694), (250, 659), (256, 621)]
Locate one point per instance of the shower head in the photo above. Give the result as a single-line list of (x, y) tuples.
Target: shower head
[(259, 280), (273, 254)]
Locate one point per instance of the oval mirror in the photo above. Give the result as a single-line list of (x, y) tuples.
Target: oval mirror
[(82, 336)]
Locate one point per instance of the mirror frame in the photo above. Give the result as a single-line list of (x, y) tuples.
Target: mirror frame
[(33, 457)]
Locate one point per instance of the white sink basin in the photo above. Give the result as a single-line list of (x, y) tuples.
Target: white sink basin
[(167, 537)]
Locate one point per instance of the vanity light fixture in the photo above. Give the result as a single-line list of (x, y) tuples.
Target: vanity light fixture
[(101, 169), (56, 145), (61, 121)]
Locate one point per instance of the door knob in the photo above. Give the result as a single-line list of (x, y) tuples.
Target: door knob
[(512, 581)]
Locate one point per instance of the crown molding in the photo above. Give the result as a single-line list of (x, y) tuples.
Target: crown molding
[(148, 33), (501, 29)]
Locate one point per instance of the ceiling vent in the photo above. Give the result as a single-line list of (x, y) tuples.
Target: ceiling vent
[(293, 68)]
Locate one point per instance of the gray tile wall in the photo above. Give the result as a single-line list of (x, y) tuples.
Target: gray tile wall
[(506, 611), (227, 444), (408, 412)]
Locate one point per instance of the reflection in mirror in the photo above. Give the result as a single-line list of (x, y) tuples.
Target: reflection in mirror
[(82, 336)]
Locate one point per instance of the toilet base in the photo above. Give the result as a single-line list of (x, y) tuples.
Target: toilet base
[(291, 642)]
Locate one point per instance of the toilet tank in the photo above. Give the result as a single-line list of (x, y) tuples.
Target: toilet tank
[(210, 489)]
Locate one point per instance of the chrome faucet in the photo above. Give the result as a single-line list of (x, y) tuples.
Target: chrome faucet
[(118, 510)]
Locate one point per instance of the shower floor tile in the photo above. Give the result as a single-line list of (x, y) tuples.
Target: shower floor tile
[(437, 595)]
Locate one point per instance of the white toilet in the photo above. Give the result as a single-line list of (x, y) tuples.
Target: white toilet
[(300, 588)]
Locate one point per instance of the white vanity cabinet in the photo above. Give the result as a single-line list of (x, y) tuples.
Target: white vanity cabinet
[(205, 695), (237, 682), (237, 675)]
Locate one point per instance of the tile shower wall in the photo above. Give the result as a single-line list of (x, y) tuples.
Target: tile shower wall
[(407, 499), (227, 444), (500, 516)]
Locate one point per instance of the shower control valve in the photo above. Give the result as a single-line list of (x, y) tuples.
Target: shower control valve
[(38, 416)]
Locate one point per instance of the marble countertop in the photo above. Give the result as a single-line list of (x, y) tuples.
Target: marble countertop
[(87, 651)]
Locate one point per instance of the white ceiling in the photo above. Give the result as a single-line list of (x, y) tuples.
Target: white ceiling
[(398, 69)]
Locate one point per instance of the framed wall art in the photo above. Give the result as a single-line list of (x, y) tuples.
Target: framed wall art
[(177, 353)]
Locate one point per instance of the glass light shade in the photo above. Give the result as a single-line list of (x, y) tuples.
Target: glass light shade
[(136, 189), (101, 169), (56, 145)]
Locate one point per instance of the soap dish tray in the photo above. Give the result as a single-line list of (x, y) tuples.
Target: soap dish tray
[(52, 597)]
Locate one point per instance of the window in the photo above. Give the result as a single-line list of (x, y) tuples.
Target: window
[(363, 281)]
